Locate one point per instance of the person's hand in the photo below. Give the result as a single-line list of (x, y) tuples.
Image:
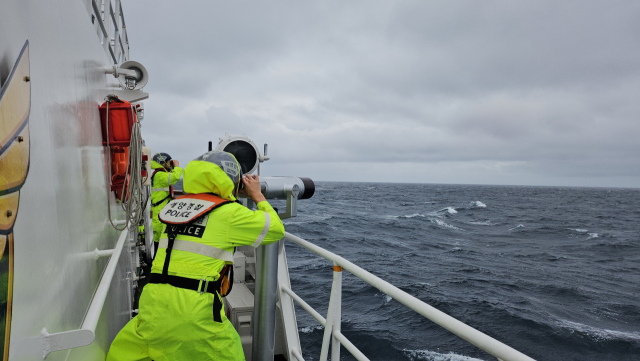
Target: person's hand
[(252, 188), (175, 163)]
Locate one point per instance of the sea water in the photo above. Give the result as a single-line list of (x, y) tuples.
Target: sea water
[(553, 272)]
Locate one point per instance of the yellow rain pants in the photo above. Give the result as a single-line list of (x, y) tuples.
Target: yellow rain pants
[(175, 324)]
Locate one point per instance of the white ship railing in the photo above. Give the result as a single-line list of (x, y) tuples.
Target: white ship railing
[(111, 28), (332, 322), (50, 342)]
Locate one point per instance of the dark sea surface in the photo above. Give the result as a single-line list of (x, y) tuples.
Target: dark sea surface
[(552, 272)]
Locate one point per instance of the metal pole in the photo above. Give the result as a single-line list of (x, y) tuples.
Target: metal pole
[(333, 318), (264, 309), (337, 309)]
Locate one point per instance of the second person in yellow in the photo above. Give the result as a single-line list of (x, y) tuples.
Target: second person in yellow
[(166, 173)]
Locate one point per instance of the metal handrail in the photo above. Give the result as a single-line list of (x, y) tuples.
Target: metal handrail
[(466, 332), (86, 334)]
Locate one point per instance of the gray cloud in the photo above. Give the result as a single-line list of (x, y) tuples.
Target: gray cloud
[(462, 92)]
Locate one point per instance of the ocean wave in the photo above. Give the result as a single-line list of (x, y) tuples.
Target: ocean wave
[(482, 223), (427, 355), (439, 214), (598, 334), (410, 216), (579, 230), (477, 204), (593, 235), (442, 223), (516, 227), (308, 218), (448, 210), (310, 329)]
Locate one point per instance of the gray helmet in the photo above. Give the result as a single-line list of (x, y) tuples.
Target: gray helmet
[(161, 158), (226, 161)]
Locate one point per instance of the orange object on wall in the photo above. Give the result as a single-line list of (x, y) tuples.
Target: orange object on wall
[(119, 158), (120, 121)]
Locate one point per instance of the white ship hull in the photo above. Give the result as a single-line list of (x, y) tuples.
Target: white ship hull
[(62, 214)]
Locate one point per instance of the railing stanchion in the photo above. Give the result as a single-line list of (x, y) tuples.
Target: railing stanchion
[(336, 290), (333, 315), (264, 308)]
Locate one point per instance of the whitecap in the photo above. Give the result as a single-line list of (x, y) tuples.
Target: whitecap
[(593, 235), (598, 334), (482, 223), (449, 210), (427, 355), (578, 230), (387, 299), (518, 226), (412, 215), (478, 204), (442, 223), (310, 329)]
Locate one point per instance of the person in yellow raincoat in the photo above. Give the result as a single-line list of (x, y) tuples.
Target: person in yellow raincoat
[(181, 314), (166, 173)]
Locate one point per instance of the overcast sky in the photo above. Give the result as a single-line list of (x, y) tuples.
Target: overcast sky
[(474, 92)]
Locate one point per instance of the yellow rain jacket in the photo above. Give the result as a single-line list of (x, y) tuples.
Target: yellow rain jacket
[(178, 324), (160, 194)]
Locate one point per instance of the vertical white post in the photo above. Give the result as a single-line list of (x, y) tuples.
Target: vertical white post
[(333, 316), (264, 308), (337, 309)]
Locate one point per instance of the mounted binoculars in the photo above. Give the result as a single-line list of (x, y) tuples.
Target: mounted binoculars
[(249, 157)]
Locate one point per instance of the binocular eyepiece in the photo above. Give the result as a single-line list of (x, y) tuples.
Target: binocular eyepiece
[(278, 187)]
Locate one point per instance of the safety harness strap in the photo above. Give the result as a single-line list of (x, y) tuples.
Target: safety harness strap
[(165, 189), (188, 283), (198, 248), (160, 202), (167, 258), (200, 286)]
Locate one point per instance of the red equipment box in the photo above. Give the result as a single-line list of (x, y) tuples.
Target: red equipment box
[(121, 119)]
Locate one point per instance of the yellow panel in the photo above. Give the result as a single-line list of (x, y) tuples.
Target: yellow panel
[(16, 100), (8, 203), (14, 163), (3, 244)]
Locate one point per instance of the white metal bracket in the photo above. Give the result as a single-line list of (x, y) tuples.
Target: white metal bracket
[(292, 202)]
